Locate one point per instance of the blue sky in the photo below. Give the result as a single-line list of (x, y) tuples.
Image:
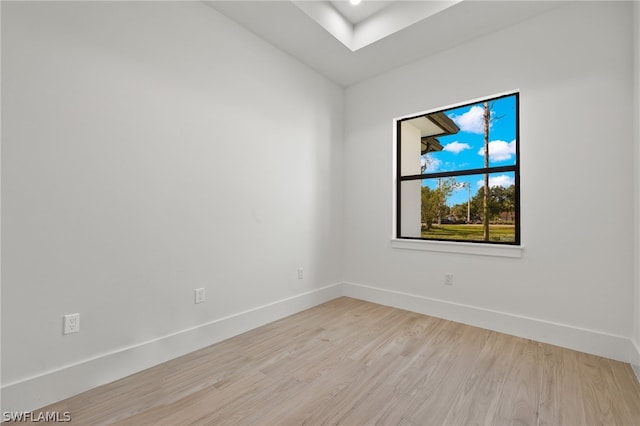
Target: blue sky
[(465, 149)]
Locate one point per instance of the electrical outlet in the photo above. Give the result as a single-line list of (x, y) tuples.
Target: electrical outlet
[(200, 296), (448, 279), (299, 273), (71, 323)]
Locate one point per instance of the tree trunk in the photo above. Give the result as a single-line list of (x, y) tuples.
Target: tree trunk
[(485, 198)]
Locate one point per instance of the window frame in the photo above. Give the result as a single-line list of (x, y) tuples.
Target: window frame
[(414, 242)]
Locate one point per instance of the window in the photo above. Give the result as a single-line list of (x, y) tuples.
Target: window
[(458, 173)]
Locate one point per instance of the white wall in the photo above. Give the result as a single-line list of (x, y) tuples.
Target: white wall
[(151, 148), (575, 277)]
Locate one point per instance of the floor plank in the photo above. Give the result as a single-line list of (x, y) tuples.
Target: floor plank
[(561, 401)]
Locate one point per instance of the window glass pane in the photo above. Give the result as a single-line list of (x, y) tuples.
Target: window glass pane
[(454, 139), (458, 153), (453, 208), (410, 214), (468, 144)]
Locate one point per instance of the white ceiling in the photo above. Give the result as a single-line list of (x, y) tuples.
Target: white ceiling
[(348, 47)]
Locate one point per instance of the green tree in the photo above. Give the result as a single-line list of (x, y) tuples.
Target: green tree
[(434, 201), (459, 211), (477, 208), (509, 205), (503, 201), (429, 206), (446, 186), (500, 200)]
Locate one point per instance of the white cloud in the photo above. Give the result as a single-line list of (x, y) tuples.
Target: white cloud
[(504, 181), (500, 150), (456, 147), (432, 164), (471, 121)]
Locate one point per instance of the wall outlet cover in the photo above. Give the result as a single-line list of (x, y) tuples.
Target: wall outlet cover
[(200, 295), (71, 323)]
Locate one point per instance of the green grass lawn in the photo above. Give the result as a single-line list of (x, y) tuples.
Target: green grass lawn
[(504, 233)]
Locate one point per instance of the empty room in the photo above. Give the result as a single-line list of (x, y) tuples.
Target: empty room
[(320, 212)]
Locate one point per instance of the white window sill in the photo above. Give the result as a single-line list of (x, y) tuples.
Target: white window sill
[(480, 249)]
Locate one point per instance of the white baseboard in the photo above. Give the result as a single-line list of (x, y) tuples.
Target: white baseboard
[(636, 369), (635, 359), (38, 391), (602, 344), (44, 389)]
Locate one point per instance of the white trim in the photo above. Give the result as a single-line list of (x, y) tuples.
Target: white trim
[(501, 250), (590, 341), (635, 359), (636, 369), (457, 104), (55, 385)]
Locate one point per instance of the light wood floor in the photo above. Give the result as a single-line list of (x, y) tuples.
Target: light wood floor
[(351, 362)]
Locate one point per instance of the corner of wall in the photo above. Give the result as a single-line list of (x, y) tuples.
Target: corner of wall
[(619, 348), (635, 363), (1, 405)]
